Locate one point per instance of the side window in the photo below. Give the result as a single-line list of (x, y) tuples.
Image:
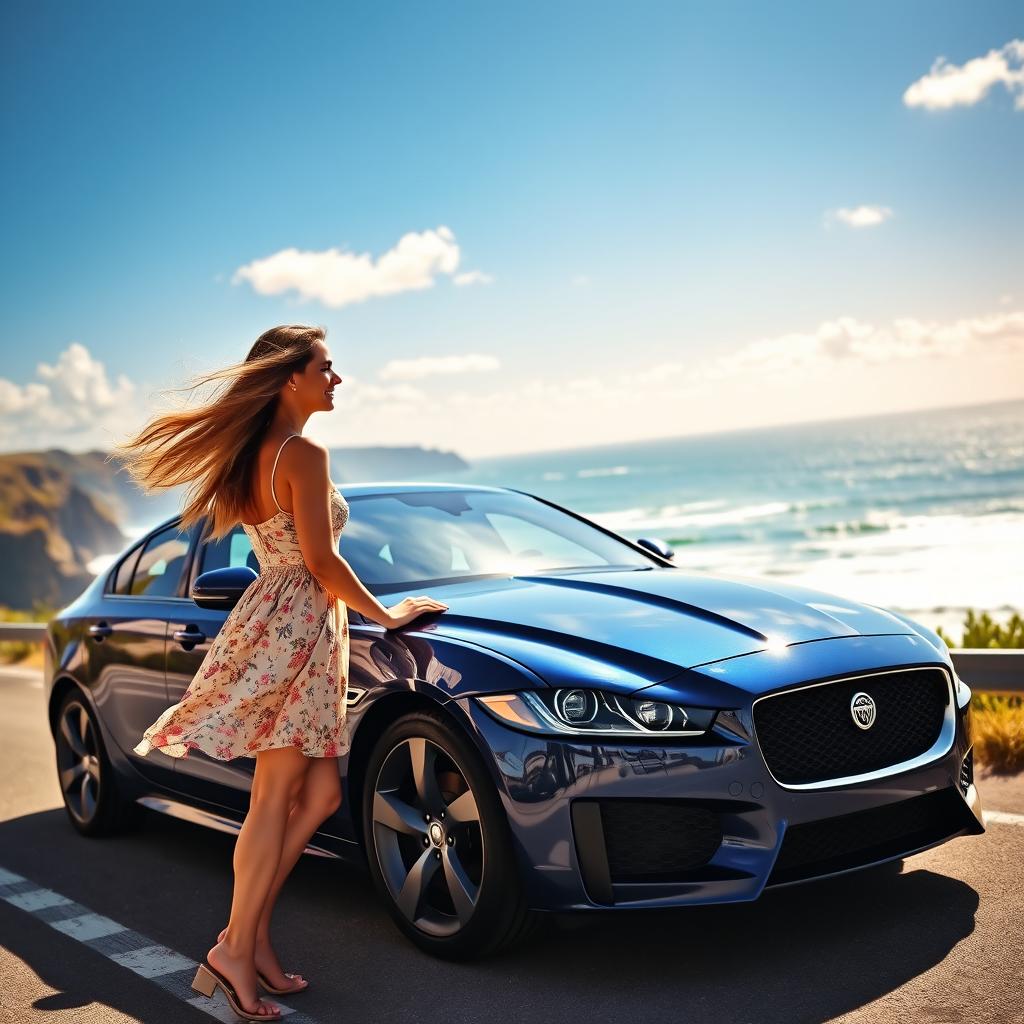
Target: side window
[(233, 550), (161, 564), (123, 579)]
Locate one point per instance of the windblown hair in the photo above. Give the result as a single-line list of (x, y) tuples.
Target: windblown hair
[(214, 446)]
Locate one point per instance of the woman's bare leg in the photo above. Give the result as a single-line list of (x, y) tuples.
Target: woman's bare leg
[(276, 783), (318, 799)]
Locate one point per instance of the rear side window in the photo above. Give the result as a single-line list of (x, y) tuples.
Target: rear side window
[(161, 564), (123, 579)]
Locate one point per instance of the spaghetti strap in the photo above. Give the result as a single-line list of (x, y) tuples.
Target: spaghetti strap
[(274, 470)]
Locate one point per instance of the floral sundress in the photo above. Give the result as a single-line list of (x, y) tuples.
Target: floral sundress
[(276, 673)]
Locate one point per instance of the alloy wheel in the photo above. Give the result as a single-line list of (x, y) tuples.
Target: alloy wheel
[(427, 835), (78, 762)]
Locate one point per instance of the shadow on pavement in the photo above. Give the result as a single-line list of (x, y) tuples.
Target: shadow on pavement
[(804, 954)]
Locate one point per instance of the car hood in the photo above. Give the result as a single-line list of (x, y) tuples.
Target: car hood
[(631, 628)]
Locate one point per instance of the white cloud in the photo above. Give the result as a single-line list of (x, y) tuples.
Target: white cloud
[(843, 367), (951, 85), (73, 396), (339, 278), (79, 382), (1005, 300), (19, 401), (365, 396), (847, 338), (473, 277), (860, 216), (580, 280), (429, 366)]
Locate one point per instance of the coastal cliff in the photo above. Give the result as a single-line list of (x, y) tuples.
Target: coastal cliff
[(51, 527)]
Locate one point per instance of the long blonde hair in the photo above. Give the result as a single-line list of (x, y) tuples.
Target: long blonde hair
[(215, 446)]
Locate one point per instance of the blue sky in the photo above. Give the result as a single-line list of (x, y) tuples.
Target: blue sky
[(651, 192)]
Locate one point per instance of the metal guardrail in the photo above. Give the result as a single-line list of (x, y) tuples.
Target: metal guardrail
[(22, 631), (995, 670), (990, 669)]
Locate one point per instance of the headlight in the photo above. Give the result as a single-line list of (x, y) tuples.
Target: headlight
[(960, 688), (578, 711), (963, 691)]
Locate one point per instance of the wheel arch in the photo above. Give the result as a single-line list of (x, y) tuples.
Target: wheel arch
[(127, 774), (377, 718), (62, 686)]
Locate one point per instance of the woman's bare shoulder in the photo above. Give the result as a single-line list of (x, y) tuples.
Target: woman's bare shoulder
[(305, 455)]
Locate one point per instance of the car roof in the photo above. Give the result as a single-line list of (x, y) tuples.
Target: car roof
[(362, 488)]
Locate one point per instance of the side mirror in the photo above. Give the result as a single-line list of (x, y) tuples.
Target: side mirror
[(222, 588), (658, 546)]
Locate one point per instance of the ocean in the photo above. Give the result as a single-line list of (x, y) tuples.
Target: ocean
[(921, 512)]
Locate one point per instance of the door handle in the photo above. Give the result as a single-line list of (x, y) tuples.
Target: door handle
[(98, 630), (189, 636)]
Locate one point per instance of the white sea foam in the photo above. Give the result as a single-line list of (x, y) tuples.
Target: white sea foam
[(921, 562), (605, 471), (673, 517)]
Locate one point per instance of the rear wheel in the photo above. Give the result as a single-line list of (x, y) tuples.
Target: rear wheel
[(438, 842), (86, 777)]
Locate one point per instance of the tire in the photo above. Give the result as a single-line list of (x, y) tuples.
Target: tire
[(440, 853), (85, 775)]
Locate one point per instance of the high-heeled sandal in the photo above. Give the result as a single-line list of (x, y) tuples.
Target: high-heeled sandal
[(261, 978), (208, 979)]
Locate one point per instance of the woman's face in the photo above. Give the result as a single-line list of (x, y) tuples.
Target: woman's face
[(314, 387)]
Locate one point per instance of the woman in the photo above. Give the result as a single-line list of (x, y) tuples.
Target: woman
[(273, 682)]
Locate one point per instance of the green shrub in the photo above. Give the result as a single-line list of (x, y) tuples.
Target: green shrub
[(983, 631)]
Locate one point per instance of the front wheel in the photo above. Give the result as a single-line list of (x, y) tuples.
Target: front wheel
[(438, 843)]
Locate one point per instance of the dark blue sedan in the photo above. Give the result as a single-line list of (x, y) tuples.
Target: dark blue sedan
[(585, 727)]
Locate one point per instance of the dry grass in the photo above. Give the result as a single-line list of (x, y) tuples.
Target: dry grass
[(24, 655), (997, 725)]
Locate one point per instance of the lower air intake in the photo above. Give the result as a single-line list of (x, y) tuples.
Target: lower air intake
[(853, 840)]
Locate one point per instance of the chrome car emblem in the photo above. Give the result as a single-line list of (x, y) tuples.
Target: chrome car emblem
[(862, 710), (436, 834)]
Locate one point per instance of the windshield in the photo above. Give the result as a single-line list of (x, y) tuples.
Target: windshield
[(394, 541)]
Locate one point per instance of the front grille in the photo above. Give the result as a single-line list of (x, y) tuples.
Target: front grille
[(657, 840), (852, 840), (809, 734)]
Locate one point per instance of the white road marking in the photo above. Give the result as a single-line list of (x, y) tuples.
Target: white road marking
[(37, 899), (152, 961), (165, 967), (88, 926), (1003, 818)]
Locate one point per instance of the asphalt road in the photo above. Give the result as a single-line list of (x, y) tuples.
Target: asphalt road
[(943, 940)]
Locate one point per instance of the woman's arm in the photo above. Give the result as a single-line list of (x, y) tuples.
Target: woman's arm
[(305, 480)]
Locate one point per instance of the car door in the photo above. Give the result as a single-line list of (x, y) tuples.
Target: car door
[(126, 642), (189, 636)]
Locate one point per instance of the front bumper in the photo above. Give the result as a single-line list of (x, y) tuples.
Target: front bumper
[(575, 808)]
